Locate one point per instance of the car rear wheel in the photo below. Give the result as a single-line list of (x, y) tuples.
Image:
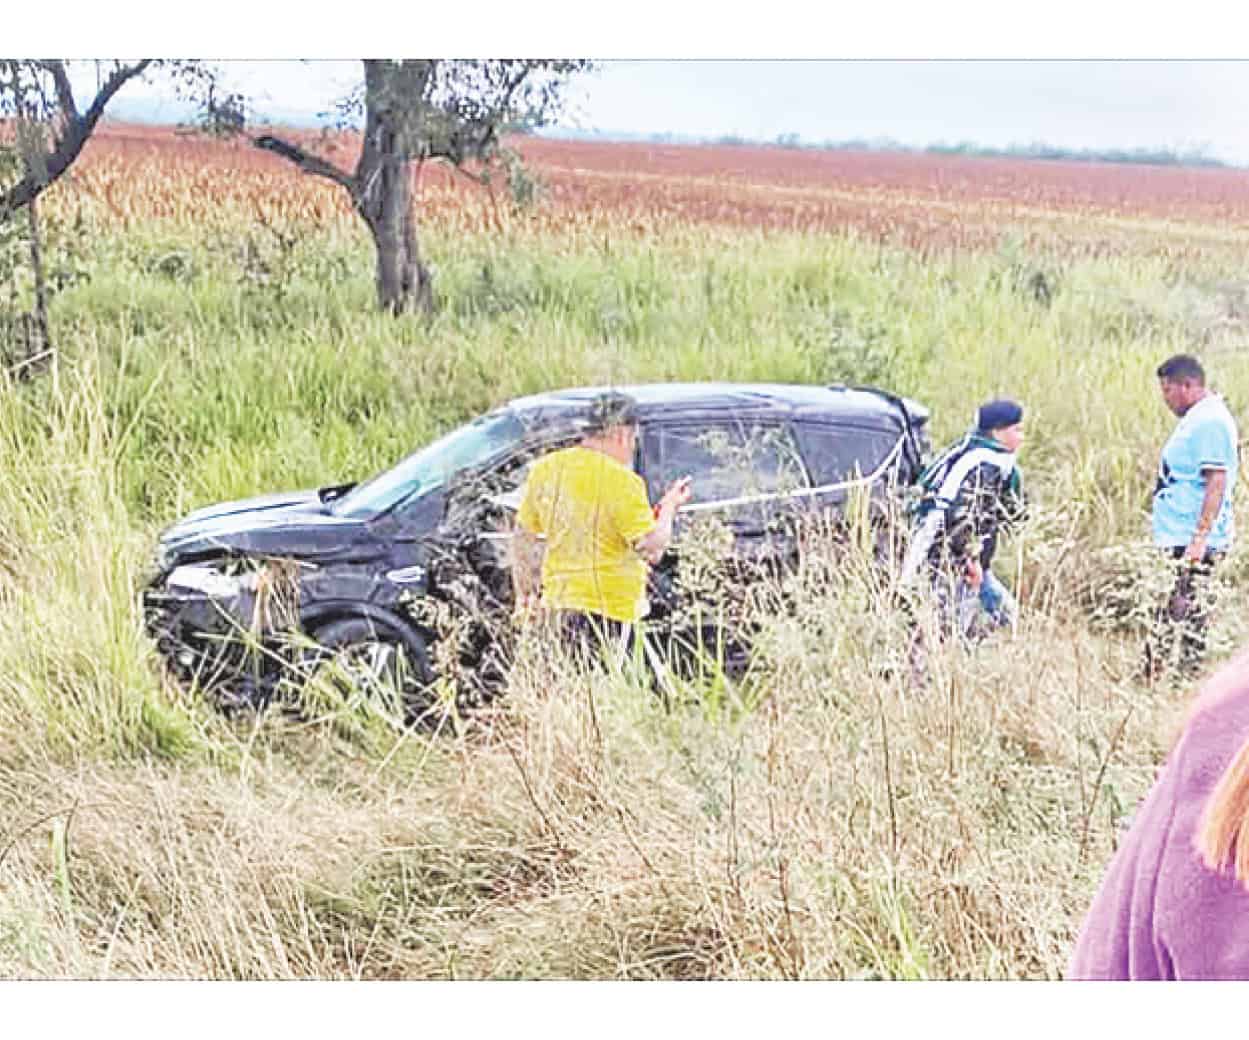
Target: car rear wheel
[(359, 659)]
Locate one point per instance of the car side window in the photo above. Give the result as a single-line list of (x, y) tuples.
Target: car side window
[(726, 459), (837, 453)]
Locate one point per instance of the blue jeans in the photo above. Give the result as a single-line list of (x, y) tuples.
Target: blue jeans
[(973, 614), (997, 602)]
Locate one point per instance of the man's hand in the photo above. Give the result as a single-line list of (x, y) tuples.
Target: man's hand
[(677, 495), (1211, 502), (1196, 551), (651, 546)]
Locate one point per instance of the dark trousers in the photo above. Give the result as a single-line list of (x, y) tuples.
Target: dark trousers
[(596, 640), (593, 638), (1181, 621)]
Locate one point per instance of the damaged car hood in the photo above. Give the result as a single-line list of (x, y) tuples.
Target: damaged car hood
[(304, 501), (290, 524)]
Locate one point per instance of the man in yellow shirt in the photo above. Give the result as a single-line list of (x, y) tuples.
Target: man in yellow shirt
[(591, 510)]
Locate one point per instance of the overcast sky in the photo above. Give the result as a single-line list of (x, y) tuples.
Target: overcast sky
[(1093, 104), (1179, 104), (1102, 101)]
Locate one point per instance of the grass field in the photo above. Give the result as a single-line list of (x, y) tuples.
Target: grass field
[(217, 339)]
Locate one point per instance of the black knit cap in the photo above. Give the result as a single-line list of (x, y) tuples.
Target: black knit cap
[(612, 409), (993, 415)]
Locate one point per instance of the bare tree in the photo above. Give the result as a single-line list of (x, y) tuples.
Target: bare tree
[(418, 110), (413, 111), (51, 131)]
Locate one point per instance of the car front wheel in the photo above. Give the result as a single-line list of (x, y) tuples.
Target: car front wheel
[(358, 659)]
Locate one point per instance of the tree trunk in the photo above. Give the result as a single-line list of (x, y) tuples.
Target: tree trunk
[(404, 282), (383, 183), (41, 284)]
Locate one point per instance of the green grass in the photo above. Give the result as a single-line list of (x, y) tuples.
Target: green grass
[(821, 822), (313, 385)]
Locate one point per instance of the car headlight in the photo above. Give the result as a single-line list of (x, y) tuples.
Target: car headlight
[(163, 558), (205, 579)]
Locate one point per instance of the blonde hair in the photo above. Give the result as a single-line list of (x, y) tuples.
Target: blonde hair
[(1223, 831)]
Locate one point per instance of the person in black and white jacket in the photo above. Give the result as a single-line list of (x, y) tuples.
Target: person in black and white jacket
[(968, 494)]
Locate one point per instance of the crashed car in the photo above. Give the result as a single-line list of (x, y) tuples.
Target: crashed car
[(406, 577)]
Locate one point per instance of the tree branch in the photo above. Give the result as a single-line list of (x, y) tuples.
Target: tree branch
[(64, 92), (511, 86), (309, 163), (120, 77), (72, 137)]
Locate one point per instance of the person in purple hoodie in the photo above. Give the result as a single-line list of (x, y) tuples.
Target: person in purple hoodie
[(1174, 903)]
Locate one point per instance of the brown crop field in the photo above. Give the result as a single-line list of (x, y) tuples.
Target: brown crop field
[(929, 202)]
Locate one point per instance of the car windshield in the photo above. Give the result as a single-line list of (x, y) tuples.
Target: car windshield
[(434, 465)]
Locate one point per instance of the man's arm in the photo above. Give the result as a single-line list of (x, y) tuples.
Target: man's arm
[(1013, 502), (527, 552), (651, 546), (972, 520), (1216, 484)]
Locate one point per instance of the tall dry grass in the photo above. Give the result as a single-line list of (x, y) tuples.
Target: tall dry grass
[(822, 819)]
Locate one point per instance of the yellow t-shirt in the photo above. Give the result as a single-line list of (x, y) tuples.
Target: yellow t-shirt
[(591, 510)]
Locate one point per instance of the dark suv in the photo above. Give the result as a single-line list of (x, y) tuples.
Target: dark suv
[(409, 574)]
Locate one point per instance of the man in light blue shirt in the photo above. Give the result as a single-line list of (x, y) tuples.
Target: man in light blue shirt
[(1192, 508)]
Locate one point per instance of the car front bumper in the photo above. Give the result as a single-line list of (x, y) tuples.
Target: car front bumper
[(200, 621)]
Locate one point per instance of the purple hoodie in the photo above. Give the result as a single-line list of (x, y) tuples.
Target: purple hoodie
[(1160, 913)]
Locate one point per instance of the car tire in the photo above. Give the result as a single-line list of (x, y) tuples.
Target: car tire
[(370, 657)]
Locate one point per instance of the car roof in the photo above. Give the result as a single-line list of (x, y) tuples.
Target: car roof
[(736, 399)]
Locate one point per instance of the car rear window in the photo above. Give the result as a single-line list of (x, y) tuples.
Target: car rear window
[(837, 453), (725, 459)]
